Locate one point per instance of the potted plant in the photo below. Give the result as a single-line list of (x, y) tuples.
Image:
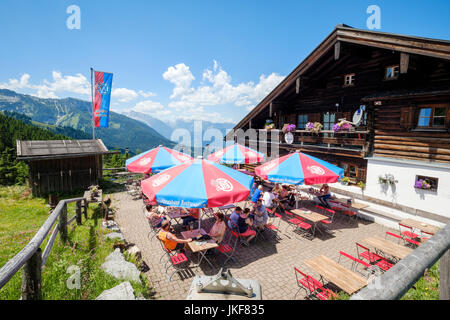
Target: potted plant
[(382, 180), (362, 185), (345, 181), (289, 128), (269, 125), (422, 184), (314, 127), (342, 126), (387, 179)]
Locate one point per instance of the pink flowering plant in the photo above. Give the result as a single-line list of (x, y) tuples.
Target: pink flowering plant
[(342, 126), (422, 184)]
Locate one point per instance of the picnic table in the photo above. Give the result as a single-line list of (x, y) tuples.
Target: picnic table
[(342, 277), (354, 205), (420, 226), (199, 247), (227, 208), (388, 247), (311, 216), (177, 214)]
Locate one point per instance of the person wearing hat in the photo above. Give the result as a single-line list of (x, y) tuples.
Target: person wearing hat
[(170, 241)]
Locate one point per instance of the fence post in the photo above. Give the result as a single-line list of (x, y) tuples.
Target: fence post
[(63, 223), (85, 208), (444, 277), (78, 212), (31, 277)]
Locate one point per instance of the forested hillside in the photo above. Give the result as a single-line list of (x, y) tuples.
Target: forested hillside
[(12, 129)]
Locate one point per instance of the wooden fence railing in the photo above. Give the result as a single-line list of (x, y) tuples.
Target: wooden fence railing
[(31, 257)]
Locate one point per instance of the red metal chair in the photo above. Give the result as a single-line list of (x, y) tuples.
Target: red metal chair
[(408, 232), (412, 243), (298, 224), (356, 262), (306, 282), (228, 246), (177, 260), (425, 235), (328, 222), (398, 237), (273, 226), (367, 254)]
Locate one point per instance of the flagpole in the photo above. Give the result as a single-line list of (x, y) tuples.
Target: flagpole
[(92, 98)]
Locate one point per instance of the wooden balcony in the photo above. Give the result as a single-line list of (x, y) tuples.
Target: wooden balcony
[(348, 143)]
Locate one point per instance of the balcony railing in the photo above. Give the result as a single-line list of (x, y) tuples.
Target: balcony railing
[(350, 141)]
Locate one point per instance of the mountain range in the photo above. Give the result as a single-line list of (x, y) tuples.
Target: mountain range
[(167, 128), (123, 132)]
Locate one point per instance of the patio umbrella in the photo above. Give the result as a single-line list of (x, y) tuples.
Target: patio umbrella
[(197, 184), (299, 168), (156, 160), (236, 153)]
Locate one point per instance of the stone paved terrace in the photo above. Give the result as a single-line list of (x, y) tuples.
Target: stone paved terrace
[(271, 262)]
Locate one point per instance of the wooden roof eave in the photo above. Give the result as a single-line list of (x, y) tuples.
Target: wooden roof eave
[(409, 44), (63, 156)]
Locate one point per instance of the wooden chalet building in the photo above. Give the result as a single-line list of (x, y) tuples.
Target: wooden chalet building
[(402, 83), (62, 165)]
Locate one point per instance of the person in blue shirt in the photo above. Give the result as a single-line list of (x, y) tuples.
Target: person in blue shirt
[(234, 217), (257, 194)]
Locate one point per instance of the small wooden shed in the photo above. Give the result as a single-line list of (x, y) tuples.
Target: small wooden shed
[(62, 165)]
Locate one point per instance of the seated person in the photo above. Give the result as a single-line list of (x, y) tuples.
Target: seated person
[(268, 199), (260, 216), (324, 195), (192, 217), (217, 231), (234, 217), (276, 189), (170, 241), (244, 222), (284, 197), (154, 216), (257, 194)]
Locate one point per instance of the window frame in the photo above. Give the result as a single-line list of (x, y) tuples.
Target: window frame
[(298, 121), (434, 185), (394, 77), (432, 116)]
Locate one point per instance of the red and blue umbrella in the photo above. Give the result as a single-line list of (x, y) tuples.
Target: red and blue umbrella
[(299, 168), (156, 160), (197, 184), (236, 153)]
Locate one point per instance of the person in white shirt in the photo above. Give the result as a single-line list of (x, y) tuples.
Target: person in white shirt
[(267, 198)]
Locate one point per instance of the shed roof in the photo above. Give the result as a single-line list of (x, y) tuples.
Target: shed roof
[(54, 149)]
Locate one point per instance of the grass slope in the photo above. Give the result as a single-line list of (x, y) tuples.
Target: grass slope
[(21, 216)]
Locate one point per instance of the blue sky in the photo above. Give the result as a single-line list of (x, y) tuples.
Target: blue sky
[(211, 60)]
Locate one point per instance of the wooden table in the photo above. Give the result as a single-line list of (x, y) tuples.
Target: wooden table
[(388, 247), (342, 277), (354, 205), (227, 208), (311, 216), (428, 228), (196, 247), (175, 215)]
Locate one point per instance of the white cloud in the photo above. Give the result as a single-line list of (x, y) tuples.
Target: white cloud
[(147, 94), (123, 94), (181, 77), (219, 90)]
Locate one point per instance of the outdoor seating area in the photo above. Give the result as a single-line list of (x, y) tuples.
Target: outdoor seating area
[(303, 227)]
